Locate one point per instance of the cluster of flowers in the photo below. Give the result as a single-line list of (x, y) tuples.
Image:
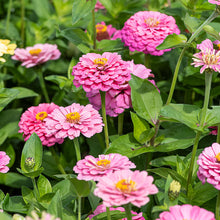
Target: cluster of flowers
[(6, 48)]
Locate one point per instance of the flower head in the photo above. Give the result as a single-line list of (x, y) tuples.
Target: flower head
[(33, 120), (102, 208), (208, 57), (186, 211), (216, 2), (72, 120), (92, 168), (214, 130), (99, 6), (38, 54), (4, 160), (100, 72), (45, 216), (6, 48), (209, 165), (145, 30), (125, 186)]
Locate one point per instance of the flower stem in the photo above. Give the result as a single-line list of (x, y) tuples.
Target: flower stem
[(94, 29), (36, 192), (217, 207), (79, 208), (194, 35), (8, 16), (77, 148), (43, 86), (22, 22), (218, 134), (120, 123), (128, 211), (104, 119), (108, 213)]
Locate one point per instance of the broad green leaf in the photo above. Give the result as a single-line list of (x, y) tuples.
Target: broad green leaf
[(81, 187), (65, 188), (32, 174), (211, 31), (146, 99), (24, 93), (191, 23), (173, 40), (5, 76), (27, 194), (110, 45), (43, 185), (32, 152), (5, 216), (109, 6), (6, 96), (41, 8), (59, 80), (212, 116), (115, 215), (55, 207)]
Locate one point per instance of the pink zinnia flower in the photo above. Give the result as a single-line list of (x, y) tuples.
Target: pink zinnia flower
[(214, 130), (72, 120), (92, 168), (4, 160), (145, 30), (104, 31), (216, 2), (208, 58), (117, 100), (38, 54), (209, 165), (33, 120), (125, 186), (186, 211), (102, 208), (100, 72), (99, 6)]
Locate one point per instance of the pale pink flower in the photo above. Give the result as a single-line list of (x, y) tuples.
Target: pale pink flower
[(33, 120), (45, 216), (208, 57), (102, 208), (181, 212), (100, 72), (38, 54), (92, 168), (117, 100), (4, 160), (209, 165), (107, 32), (99, 6), (125, 186), (216, 2), (72, 120), (145, 30)]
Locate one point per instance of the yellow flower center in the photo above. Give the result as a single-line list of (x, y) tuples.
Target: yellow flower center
[(103, 163), (73, 117), (152, 22), (101, 28), (218, 157), (218, 45), (126, 186), (211, 57), (41, 115), (35, 52), (100, 61)]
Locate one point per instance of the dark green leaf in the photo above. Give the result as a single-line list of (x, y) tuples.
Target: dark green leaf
[(43, 185), (191, 23), (27, 194), (110, 45), (81, 187)]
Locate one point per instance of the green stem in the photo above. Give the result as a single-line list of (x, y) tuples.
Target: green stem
[(8, 16), (77, 148), (59, 165), (104, 119), (108, 213), (36, 192), (128, 211), (217, 209), (43, 86), (147, 60), (157, 125), (22, 22), (120, 123), (194, 35), (79, 208), (218, 134), (94, 29)]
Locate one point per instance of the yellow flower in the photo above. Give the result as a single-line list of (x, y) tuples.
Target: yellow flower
[(6, 48)]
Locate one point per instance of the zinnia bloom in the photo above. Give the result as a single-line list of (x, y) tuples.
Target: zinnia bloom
[(104, 31), (100, 72), (6, 48), (72, 120), (4, 160), (99, 6), (92, 168), (214, 130), (38, 54), (216, 2), (145, 30), (125, 186), (186, 211), (45, 216), (33, 120), (117, 100), (209, 165), (102, 208), (208, 57)]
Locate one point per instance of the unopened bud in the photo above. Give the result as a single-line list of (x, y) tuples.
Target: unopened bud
[(174, 190), (30, 162), (18, 217)]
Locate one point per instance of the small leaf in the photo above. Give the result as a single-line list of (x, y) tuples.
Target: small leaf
[(81, 187), (211, 31), (55, 207), (27, 194), (43, 185), (191, 23)]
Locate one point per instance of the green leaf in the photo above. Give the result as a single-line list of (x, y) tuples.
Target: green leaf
[(81, 8), (27, 194), (9, 150), (81, 187), (115, 215), (191, 23), (43, 185), (55, 207), (212, 116), (5, 216), (32, 150), (146, 99), (59, 80), (65, 188), (173, 40), (41, 8), (33, 174), (211, 31), (24, 93), (6, 96), (110, 45), (4, 77)]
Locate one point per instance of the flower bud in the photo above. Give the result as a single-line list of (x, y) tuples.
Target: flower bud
[(30, 162), (174, 190), (18, 217)]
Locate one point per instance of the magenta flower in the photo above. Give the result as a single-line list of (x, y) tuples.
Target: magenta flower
[(92, 168), (38, 54), (99, 6), (4, 160), (104, 31), (209, 165), (145, 30), (100, 72), (208, 57), (102, 208), (117, 100), (125, 186), (33, 120), (214, 130), (216, 2), (72, 120), (186, 211)]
